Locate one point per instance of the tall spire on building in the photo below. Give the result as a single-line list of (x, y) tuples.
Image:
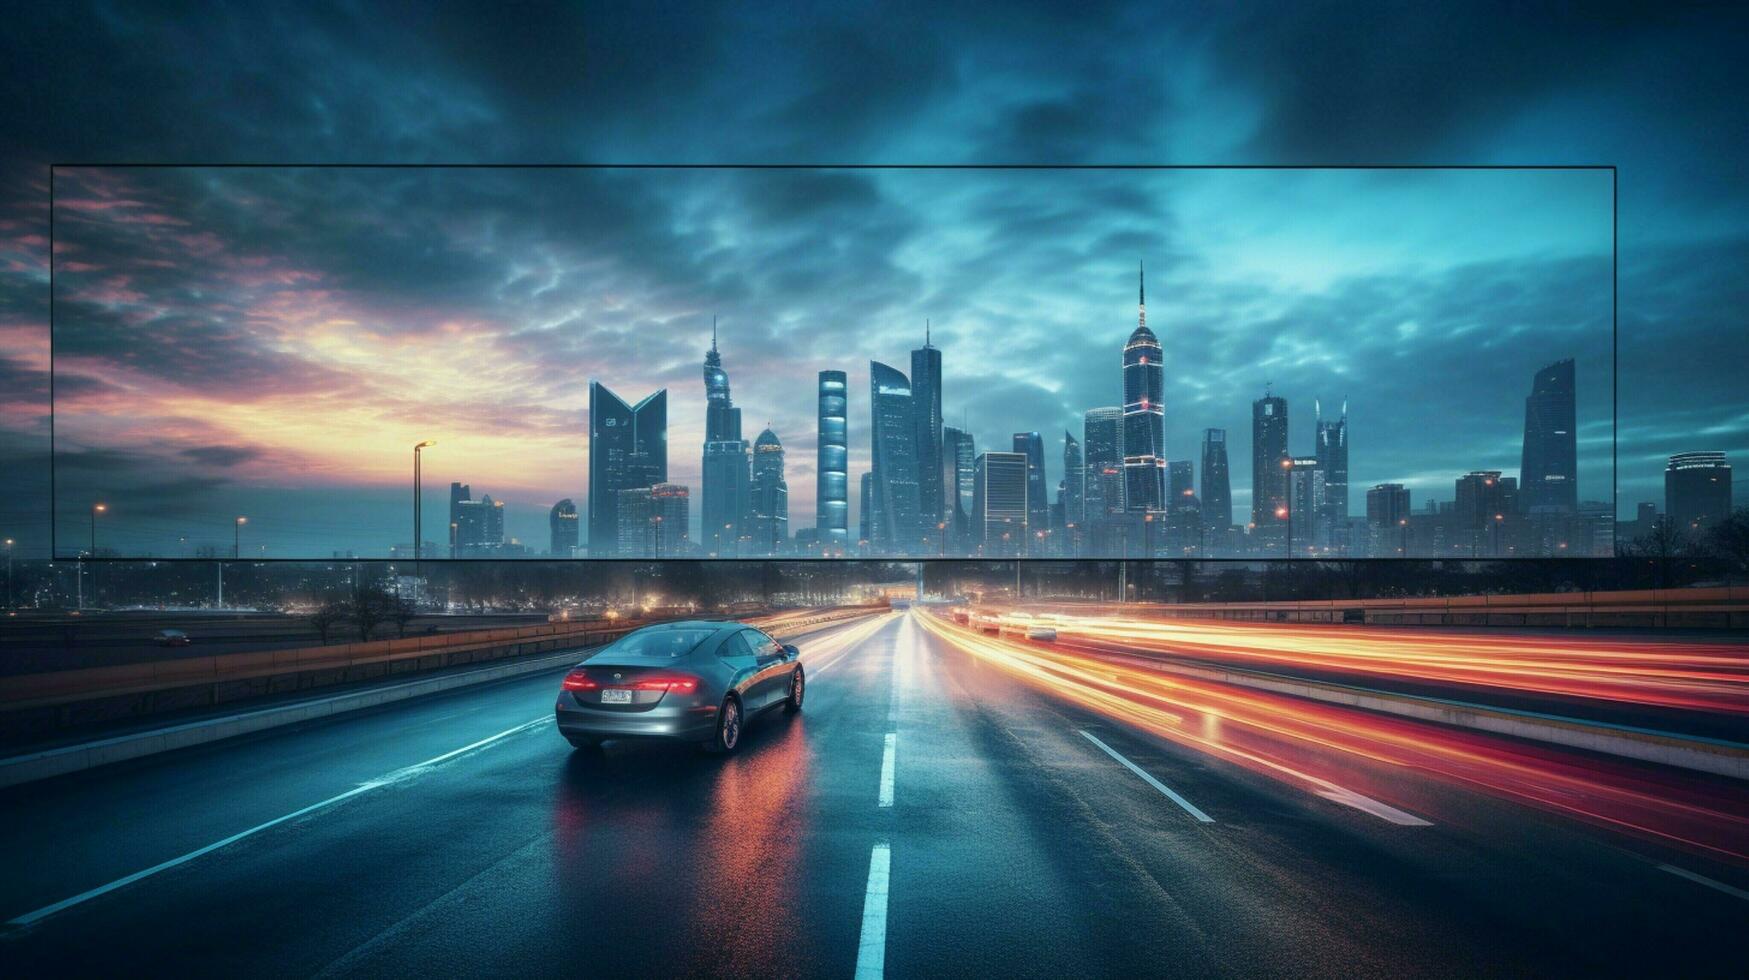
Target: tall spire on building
[(1141, 295), (713, 331), (926, 331)]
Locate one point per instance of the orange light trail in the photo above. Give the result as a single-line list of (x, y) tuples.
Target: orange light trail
[(1690, 676), (1316, 746)]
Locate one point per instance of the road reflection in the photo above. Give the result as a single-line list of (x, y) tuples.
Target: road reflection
[(728, 889)]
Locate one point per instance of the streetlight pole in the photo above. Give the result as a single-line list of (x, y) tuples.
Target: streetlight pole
[(418, 539), (9, 573), (96, 509), (1287, 511), (237, 537)]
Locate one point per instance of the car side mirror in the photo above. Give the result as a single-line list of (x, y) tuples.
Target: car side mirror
[(790, 650)]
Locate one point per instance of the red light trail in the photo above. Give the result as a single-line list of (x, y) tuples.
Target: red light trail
[(1316, 746), (1669, 674)]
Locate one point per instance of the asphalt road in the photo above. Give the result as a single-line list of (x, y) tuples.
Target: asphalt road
[(926, 814)]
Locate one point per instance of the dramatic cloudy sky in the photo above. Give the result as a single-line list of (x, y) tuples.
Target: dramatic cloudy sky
[(271, 341)]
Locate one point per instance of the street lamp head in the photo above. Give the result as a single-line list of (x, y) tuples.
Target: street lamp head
[(421, 445), (100, 508), (1281, 512), (242, 520)]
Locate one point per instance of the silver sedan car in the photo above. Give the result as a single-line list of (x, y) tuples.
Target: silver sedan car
[(697, 681)]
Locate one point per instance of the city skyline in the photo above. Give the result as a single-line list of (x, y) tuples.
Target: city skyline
[(1192, 375)]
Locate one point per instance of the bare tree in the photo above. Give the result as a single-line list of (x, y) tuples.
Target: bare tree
[(402, 610), (326, 616), (1661, 546), (369, 607)]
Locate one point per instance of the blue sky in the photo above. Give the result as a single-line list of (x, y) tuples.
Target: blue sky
[(1426, 299)]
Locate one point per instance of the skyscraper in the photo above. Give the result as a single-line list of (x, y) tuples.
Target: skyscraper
[(1269, 462), (1331, 450), (959, 466), (1183, 510), (1074, 481), (865, 512), (476, 526), (1217, 485), (1306, 494), (1038, 501), (562, 523), (926, 417), (770, 497), (723, 507), (895, 525), (1548, 474), (652, 521), (1697, 490), (1484, 502), (628, 449), (1387, 520), (999, 504), (459, 494), (1144, 417), (1102, 434), (832, 466)]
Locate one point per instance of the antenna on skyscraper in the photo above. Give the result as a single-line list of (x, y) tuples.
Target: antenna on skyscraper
[(713, 331), (926, 331)]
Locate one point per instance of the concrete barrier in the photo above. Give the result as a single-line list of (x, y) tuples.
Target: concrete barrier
[(32, 766)]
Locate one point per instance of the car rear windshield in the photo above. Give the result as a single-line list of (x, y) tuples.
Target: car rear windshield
[(660, 644)]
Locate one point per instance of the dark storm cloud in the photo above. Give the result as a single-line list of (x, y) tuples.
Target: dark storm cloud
[(583, 269), (1343, 82)]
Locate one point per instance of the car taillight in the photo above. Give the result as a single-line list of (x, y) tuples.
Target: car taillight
[(672, 683), (576, 680)]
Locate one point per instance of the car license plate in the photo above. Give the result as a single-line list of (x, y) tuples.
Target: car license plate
[(616, 696)]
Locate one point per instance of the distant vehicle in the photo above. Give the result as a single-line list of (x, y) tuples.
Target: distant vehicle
[(987, 623), (172, 638), (962, 617), (695, 681), (1045, 633)]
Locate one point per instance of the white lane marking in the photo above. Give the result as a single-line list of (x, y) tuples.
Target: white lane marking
[(1700, 879), (1366, 804), (871, 951), (851, 640), (1188, 806), (30, 918), (887, 769)]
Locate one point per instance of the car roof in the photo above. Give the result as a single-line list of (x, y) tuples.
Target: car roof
[(695, 624)]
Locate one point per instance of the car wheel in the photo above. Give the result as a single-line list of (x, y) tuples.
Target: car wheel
[(583, 741), (729, 725), (798, 686)]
